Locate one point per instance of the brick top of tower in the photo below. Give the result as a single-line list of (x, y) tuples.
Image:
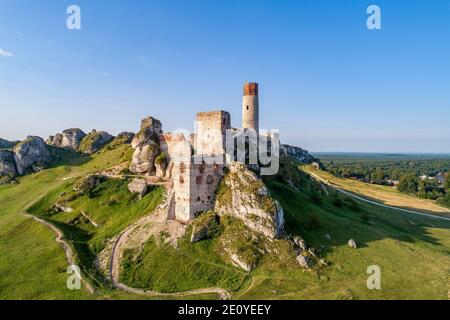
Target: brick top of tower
[(251, 89)]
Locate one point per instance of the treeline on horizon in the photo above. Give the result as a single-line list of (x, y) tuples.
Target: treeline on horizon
[(404, 173)]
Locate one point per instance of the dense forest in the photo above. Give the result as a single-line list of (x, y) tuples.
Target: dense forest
[(425, 176)]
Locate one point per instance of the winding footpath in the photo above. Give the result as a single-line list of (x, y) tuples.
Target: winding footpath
[(116, 255), (320, 179), (114, 269), (70, 255)]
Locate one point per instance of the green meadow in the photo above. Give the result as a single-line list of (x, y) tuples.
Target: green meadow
[(413, 252)]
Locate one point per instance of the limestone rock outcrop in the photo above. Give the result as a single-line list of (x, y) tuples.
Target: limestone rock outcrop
[(298, 241), (161, 165), (304, 261), (352, 244), (7, 164), (70, 139), (5, 144), (298, 153), (244, 196), (240, 263), (147, 147), (124, 137), (31, 155), (86, 184), (204, 227), (138, 186), (94, 141)]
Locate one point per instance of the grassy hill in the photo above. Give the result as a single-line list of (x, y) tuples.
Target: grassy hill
[(33, 265), (413, 252)]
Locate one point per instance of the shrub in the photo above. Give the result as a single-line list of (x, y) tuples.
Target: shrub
[(337, 201), (316, 197), (365, 217), (408, 184), (6, 180), (161, 159), (313, 222), (125, 172), (352, 204)]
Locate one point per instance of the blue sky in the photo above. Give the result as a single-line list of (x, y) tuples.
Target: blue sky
[(327, 82)]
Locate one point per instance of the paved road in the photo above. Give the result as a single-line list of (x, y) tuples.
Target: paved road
[(315, 176)]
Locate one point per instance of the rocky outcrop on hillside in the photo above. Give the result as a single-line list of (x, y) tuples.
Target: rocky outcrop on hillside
[(244, 196), (86, 185), (70, 139), (7, 164), (138, 186), (298, 153), (94, 141), (204, 227), (146, 145), (5, 144), (124, 137), (31, 155)]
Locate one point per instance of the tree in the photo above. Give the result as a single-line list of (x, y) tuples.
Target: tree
[(396, 174), (379, 176), (445, 200), (447, 182), (408, 184)]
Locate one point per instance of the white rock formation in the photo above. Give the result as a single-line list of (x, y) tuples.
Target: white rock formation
[(304, 261), (94, 141), (352, 244), (7, 164), (298, 153), (70, 139), (31, 155), (146, 145), (138, 186), (244, 196)]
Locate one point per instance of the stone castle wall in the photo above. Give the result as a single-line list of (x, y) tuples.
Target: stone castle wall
[(194, 181), (195, 176), (194, 189), (211, 130)]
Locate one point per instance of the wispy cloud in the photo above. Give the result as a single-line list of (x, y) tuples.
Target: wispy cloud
[(5, 54)]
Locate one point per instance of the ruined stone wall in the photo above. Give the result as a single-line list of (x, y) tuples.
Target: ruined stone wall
[(204, 180), (175, 146), (194, 181), (194, 189), (182, 196), (211, 131)]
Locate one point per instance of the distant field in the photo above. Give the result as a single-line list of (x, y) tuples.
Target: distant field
[(357, 157), (383, 194)]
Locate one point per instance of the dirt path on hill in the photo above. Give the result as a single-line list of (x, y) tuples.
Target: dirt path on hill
[(70, 255), (126, 236), (320, 179)]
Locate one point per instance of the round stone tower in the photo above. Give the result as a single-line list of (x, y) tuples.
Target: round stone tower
[(250, 107)]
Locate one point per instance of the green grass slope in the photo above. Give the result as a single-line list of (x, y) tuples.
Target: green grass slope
[(111, 206), (413, 252), (32, 264), (163, 268)]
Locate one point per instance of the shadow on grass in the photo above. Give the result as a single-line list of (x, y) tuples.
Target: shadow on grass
[(366, 223), (67, 157), (79, 239)]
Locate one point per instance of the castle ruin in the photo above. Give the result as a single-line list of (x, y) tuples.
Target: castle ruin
[(195, 164)]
